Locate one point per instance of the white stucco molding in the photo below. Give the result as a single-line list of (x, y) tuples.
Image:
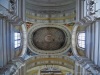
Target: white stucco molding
[(87, 20), (24, 39), (12, 15), (50, 60), (83, 61), (13, 67)]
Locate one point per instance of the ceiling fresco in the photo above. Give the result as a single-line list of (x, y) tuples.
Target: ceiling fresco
[(45, 39), (49, 25), (48, 38)]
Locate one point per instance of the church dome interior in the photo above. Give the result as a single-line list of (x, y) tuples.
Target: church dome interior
[(46, 39), (49, 37)]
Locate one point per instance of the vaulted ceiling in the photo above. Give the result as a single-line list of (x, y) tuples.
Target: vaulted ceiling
[(50, 6), (50, 11), (47, 38)]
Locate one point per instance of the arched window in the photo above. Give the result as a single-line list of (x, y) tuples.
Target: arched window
[(81, 40), (17, 39)]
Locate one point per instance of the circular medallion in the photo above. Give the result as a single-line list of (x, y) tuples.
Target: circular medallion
[(49, 39)]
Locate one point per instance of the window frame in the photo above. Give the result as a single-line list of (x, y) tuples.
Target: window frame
[(17, 38), (80, 47)]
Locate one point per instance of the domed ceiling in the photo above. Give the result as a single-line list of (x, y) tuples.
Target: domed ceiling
[(49, 39), (50, 6)]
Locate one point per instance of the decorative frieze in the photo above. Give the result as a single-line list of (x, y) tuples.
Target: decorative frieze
[(49, 60), (13, 5), (50, 18), (87, 11), (14, 14)]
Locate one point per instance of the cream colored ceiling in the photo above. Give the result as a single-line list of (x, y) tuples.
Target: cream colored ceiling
[(50, 11), (50, 6), (36, 70), (39, 62), (46, 13)]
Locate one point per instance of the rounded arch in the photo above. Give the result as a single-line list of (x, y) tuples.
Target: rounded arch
[(78, 51), (62, 69), (50, 61), (24, 38), (74, 40)]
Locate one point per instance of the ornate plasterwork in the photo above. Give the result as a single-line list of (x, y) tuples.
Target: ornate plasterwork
[(49, 60), (13, 66), (83, 61), (87, 20), (13, 5), (63, 69), (53, 11), (12, 14), (58, 51), (50, 18), (87, 11), (24, 37)]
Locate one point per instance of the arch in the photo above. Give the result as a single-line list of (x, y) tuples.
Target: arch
[(39, 60), (74, 41), (63, 69), (24, 31)]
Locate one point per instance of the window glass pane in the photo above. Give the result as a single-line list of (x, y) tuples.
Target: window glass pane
[(17, 39), (16, 42), (18, 35), (15, 34), (82, 34), (15, 45), (83, 46), (81, 40), (18, 45), (79, 37)]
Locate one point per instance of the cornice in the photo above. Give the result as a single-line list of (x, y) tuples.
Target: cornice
[(87, 20)]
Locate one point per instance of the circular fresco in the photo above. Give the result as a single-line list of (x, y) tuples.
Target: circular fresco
[(49, 39)]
